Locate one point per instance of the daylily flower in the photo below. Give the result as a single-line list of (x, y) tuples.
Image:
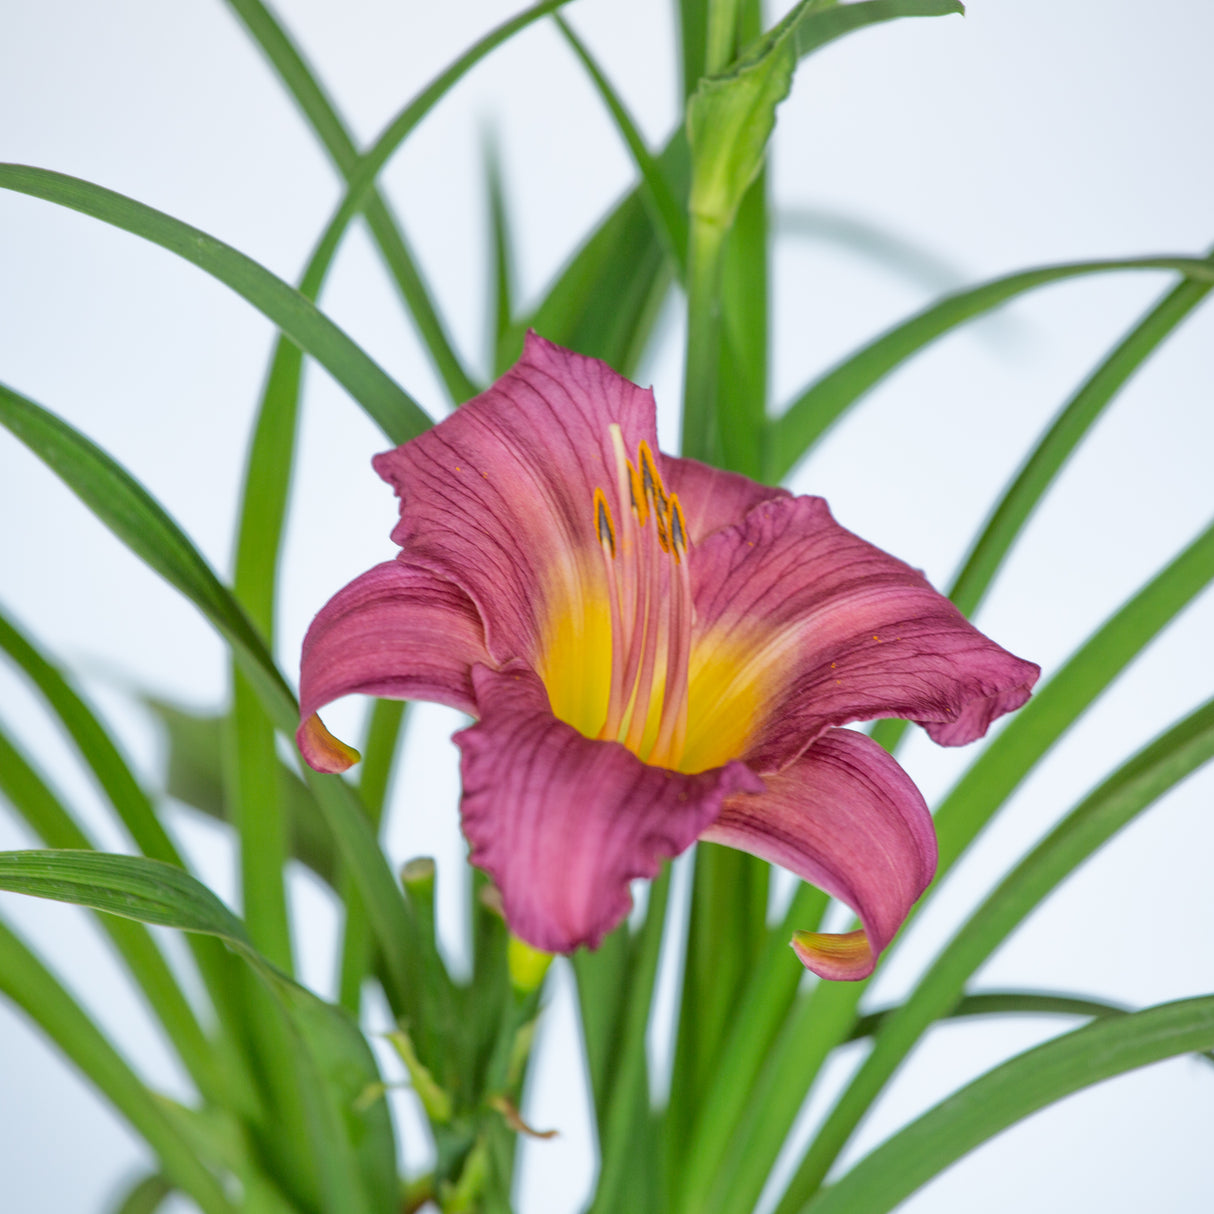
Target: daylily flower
[(655, 652)]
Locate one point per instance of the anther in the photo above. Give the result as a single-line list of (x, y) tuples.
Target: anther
[(603, 522), (678, 529)]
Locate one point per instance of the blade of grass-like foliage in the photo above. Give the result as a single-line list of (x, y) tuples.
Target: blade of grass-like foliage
[(1053, 449), (1063, 437), (31, 986), (760, 1013), (195, 757), (807, 418), (1000, 768), (693, 42), (607, 299), (46, 816), (731, 114), (752, 1122), (362, 176), (602, 985), (1134, 787), (325, 121), (1010, 1093), (1000, 1003), (94, 744), (137, 519), (727, 927), (627, 1103), (670, 221), (884, 247), (378, 766), (353, 1145), (254, 784), (255, 796), (145, 1196), (142, 524), (730, 118), (501, 257), (386, 401), (134, 808)]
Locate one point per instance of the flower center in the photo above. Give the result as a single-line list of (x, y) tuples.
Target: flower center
[(649, 600)]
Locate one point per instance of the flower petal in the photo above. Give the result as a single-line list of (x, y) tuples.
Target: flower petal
[(395, 631), (712, 498), (561, 822), (802, 625), (499, 497), (848, 819)]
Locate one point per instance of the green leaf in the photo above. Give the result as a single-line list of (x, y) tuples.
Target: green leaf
[(606, 299), (145, 1196), (670, 221), (808, 417), (194, 759), (1000, 768), (322, 116), (28, 983), (1063, 436), (137, 813), (628, 1101), (396, 412), (130, 886), (50, 821), (501, 257), (1130, 790), (1047, 458), (354, 1145), (137, 519), (1012, 1092), (759, 1116), (730, 116), (93, 744)]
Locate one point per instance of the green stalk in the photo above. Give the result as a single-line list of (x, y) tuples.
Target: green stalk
[(704, 265), (721, 35), (380, 749), (628, 1103), (28, 983), (602, 986), (765, 1004)]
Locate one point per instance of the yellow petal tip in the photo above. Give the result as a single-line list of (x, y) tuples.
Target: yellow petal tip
[(322, 750), (843, 956)]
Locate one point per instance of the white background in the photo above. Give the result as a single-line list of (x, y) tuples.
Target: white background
[(1023, 134)]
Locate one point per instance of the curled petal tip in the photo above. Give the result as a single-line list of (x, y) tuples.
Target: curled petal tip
[(321, 749), (843, 956)]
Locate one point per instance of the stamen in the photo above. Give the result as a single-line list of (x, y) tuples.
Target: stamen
[(603, 523), (650, 607), (672, 727), (678, 529)]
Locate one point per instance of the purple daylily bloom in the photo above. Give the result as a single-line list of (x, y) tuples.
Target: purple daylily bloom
[(655, 652)]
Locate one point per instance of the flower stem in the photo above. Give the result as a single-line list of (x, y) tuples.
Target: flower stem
[(700, 439)]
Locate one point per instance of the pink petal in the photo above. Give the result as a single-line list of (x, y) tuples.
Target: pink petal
[(562, 823), (846, 818), (832, 629), (499, 498), (711, 497), (396, 632)]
